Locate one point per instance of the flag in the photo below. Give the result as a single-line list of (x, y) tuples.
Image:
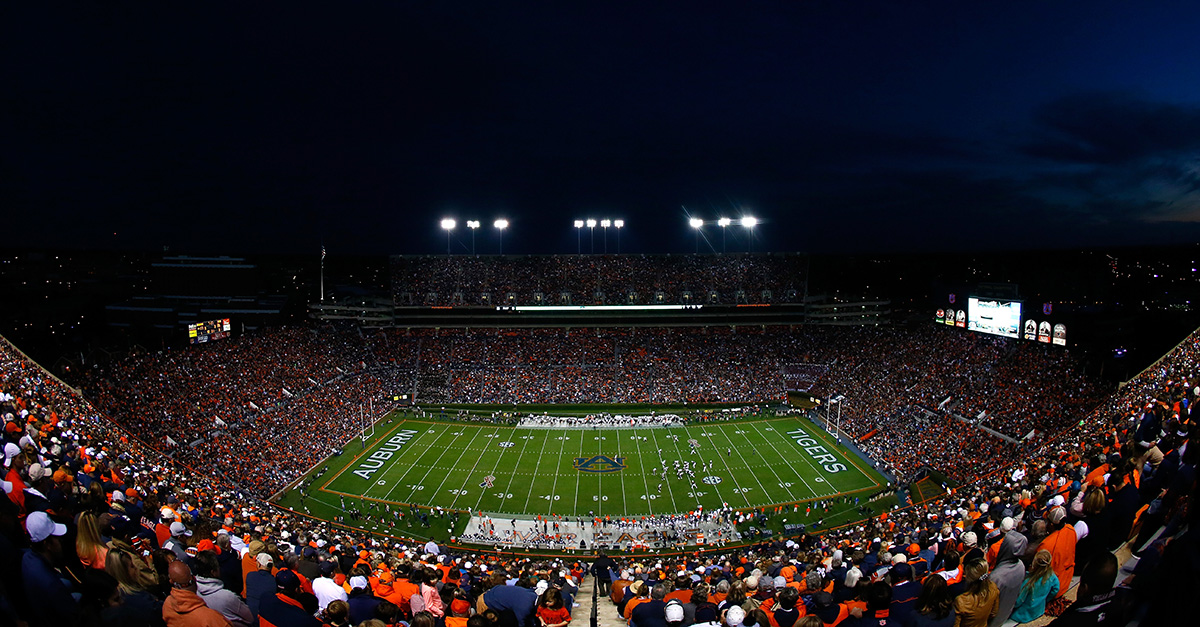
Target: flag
[(220, 423), (170, 442)]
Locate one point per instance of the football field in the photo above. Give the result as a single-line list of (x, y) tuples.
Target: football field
[(595, 472)]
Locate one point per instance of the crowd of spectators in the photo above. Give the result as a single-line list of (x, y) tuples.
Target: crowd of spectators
[(651, 279), (262, 408), (99, 529)]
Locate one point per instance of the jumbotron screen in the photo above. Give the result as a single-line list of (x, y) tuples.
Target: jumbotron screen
[(202, 332), (998, 317)]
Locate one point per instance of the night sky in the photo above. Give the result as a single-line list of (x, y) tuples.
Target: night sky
[(844, 125)]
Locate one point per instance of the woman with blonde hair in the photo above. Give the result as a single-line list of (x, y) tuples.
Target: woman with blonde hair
[(980, 601), (138, 606), (88, 545), (1040, 586)]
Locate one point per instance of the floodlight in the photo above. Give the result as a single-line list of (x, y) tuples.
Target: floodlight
[(724, 222), (618, 223), (472, 224), (591, 224), (696, 223), (501, 223), (579, 224), (606, 223), (749, 222), (448, 224)]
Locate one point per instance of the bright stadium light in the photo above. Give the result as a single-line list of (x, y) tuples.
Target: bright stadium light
[(696, 223), (472, 224), (591, 225), (605, 223), (723, 222), (750, 222), (448, 224), (618, 224), (578, 230), (501, 224)]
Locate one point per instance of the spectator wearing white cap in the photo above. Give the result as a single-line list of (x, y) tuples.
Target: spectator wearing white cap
[(49, 593), (177, 543)]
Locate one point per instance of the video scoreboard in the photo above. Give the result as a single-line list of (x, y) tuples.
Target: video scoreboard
[(201, 332)]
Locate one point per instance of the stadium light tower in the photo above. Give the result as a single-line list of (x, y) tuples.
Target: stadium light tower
[(605, 223), (448, 224), (472, 224), (696, 223), (618, 224), (500, 225), (724, 222), (591, 225), (578, 230), (750, 223)]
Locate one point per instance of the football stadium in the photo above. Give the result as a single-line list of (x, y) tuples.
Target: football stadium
[(477, 314)]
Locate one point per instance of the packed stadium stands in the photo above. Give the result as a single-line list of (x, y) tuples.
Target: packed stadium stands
[(102, 529), (443, 280)]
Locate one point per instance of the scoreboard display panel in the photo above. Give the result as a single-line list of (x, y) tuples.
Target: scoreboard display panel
[(201, 332), (998, 317)]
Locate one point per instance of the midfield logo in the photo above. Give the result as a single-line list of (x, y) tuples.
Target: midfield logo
[(599, 463)]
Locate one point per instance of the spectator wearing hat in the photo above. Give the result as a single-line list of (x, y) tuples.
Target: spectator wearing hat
[(211, 589), (734, 616), (905, 591), (177, 543), (786, 611), (185, 608), (362, 599), (47, 591), (1061, 544), (284, 608), (250, 562), (326, 589), (260, 583)]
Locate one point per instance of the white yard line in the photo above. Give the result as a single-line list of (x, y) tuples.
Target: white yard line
[(469, 473), (732, 476), (803, 454), (554, 487), (536, 467), (578, 477), (682, 457), (435, 463), (638, 442), (497, 465), (671, 491), (772, 467), (400, 479)]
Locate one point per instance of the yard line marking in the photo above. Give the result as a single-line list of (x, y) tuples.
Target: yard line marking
[(499, 457), (578, 475), (751, 471), (536, 467), (436, 493), (638, 439), (399, 480), (715, 489), (785, 463), (674, 503), (439, 458), (553, 487), (482, 492), (804, 455)]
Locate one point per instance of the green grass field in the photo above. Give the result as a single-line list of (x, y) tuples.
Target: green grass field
[(534, 471)]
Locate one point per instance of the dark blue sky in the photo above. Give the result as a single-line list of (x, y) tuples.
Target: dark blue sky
[(856, 126)]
